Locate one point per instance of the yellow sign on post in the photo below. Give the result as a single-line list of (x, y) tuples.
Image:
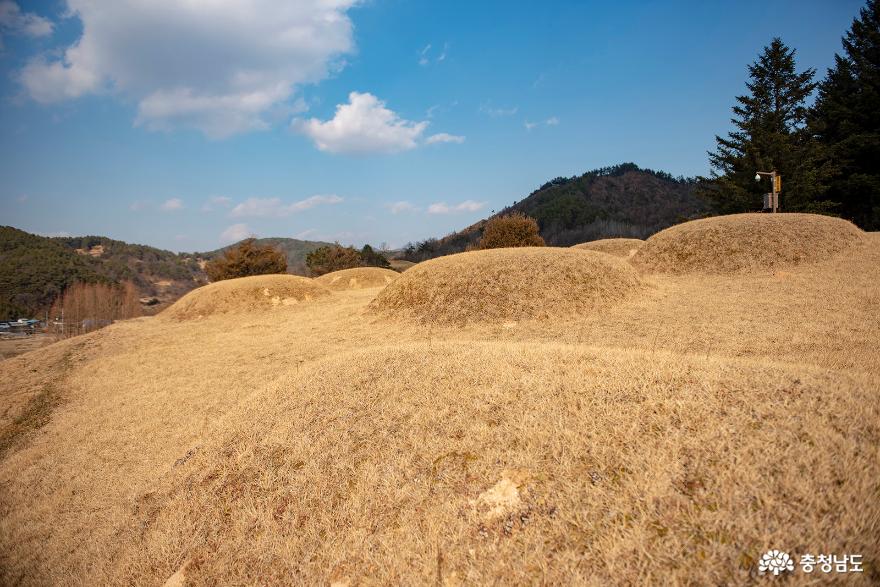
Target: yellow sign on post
[(777, 184)]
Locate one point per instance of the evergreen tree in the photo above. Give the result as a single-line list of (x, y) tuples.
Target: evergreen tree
[(846, 120), (770, 133)]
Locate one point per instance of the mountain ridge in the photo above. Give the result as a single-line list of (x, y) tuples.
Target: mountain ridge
[(618, 201)]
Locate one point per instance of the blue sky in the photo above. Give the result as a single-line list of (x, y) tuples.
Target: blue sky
[(187, 125)]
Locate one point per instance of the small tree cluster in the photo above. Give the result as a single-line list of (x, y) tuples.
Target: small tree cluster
[(84, 307), (511, 230), (248, 258), (331, 258)]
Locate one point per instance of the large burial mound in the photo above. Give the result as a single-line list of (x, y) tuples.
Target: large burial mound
[(358, 278), (746, 243), (619, 247), (507, 284), (245, 295)]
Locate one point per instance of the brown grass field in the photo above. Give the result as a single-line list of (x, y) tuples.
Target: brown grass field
[(620, 247), (358, 278), (668, 435)]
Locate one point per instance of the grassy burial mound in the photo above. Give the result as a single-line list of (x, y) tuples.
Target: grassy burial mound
[(507, 284), (244, 295), (358, 278), (619, 247), (747, 243), (510, 465)]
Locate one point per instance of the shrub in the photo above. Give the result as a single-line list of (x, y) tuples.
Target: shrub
[(330, 258), (248, 258), (373, 258), (511, 230)]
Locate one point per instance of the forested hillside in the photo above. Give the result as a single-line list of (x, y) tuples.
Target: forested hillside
[(35, 269), (619, 201)]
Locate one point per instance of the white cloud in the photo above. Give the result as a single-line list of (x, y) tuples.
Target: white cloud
[(138, 205), (400, 207), (444, 138), (220, 66), (466, 206), (13, 20), (235, 233), (498, 112), (275, 207), (552, 121), (423, 55), (216, 201), (364, 125), (172, 205)]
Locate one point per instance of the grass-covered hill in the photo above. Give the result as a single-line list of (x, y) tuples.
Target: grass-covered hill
[(620, 201), (515, 416)]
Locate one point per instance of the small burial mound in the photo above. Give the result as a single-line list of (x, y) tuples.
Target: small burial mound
[(619, 247), (507, 284), (358, 278), (746, 243), (257, 293)]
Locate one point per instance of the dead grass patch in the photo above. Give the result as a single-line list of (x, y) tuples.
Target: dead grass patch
[(747, 243), (357, 278), (258, 293), (566, 466), (669, 438), (619, 247), (507, 284)]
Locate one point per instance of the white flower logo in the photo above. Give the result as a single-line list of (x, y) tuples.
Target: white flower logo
[(776, 562)]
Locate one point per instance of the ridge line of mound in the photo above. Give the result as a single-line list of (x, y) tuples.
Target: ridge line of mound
[(357, 278), (501, 285), (257, 293), (746, 243), (619, 247)]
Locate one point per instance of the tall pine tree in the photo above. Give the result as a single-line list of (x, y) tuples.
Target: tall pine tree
[(846, 121), (770, 133)]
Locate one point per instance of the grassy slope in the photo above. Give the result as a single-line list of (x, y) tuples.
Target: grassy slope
[(701, 422)]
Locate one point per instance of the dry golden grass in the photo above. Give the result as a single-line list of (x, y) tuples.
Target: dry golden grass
[(258, 293), (746, 243), (507, 285), (357, 278), (619, 247), (400, 265), (667, 439)]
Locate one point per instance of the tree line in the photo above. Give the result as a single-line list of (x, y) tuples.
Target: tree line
[(826, 152)]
